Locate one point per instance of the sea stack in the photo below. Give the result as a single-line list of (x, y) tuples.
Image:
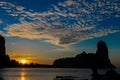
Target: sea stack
[(4, 59)]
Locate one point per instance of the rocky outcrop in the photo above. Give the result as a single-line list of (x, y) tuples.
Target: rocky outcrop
[(99, 59)]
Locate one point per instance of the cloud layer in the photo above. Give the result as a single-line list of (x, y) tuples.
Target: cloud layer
[(65, 23)]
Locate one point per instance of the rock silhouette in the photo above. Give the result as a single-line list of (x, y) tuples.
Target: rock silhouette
[(102, 54), (4, 59), (101, 59), (2, 46), (87, 60)]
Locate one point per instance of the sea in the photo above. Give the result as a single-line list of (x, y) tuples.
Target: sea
[(47, 73)]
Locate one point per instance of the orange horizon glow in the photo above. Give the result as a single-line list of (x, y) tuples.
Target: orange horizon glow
[(31, 59)]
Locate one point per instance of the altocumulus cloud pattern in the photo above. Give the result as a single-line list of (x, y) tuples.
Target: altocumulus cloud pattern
[(63, 23)]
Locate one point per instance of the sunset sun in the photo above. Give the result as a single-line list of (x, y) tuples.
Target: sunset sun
[(23, 61)]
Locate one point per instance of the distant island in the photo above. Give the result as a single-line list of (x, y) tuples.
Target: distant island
[(99, 59), (94, 61)]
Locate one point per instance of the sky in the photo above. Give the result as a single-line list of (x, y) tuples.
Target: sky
[(44, 30)]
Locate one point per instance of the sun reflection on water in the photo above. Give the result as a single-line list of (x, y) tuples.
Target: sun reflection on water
[(23, 75)]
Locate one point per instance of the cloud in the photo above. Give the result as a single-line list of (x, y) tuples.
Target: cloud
[(65, 23), (20, 8), (67, 3), (55, 35), (1, 21), (26, 30)]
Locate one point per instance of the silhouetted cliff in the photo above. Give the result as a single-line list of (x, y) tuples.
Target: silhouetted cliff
[(4, 59), (87, 60)]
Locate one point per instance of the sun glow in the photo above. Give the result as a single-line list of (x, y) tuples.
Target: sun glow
[(23, 61)]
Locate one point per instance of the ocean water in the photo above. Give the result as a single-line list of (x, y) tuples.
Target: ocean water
[(45, 73)]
